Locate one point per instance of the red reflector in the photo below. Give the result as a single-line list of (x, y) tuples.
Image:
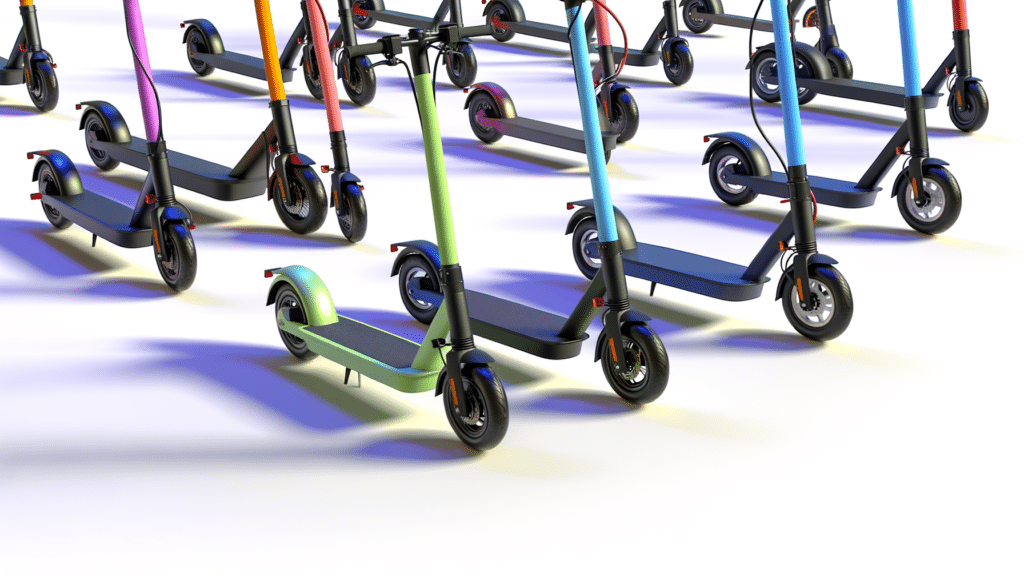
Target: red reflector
[(268, 274), (569, 206), (361, 188), (183, 25), (707, 139), (31, 156), (394, 248), (36, 196), (325, 169), (465, 90), (191, 227), (598, 302), (78, 106), (782, 246), (54, 65)]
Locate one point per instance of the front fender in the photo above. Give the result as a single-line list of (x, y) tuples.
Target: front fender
[(814, 260), (476, 357), (71, 182), (316, 299), (416, 247), (508, 109), (300, 160), (755, 155), (113, 121), (214, 44)]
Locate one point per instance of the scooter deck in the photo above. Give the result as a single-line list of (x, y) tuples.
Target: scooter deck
[(705, 276), (387, 348), (189, 172), (541, 30), (242, 64), (547, 133), (827, 191), (636, 57), (102, 216), (737, 21), (862, 91), (10, 76), (521, 327)]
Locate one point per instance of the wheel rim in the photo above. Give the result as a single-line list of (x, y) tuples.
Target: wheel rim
[(359, 18), (634, 375), (355, 79), (169, 262), (769, 67), (696, 21), (474, 422), (288, 299), (412, 275), (723, 164), (96, 132), (49, 187), (489, 110), (934, 201), (589, 239), (500, 14), (345, 215), (822, 306), (35, 88), (969, 113), (456, 64), (300, 208), (196, 45)]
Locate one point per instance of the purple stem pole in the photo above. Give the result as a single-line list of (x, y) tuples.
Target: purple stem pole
[(137, 36)]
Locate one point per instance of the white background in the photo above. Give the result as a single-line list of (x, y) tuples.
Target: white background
[(147, 437)]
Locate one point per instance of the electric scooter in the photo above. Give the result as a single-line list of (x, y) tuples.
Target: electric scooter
[(967, 102), (507, 18), (632, 356), (700, 15), (30, 64), (272, 165), (815, 297), (927, 194), (474, 399), (157, 219)]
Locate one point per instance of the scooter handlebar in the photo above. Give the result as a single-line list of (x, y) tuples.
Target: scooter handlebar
[(392, 44)]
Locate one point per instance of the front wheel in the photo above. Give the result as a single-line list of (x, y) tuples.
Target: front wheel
[(830, 309), (359, 80), (584, 247), (418, 270), (679, 63), (178, 265), (483, 103), (42, 85), (940, 205), (307, 209), (311, 73), (720, 161), (766, 66), (483, 421), (643, 366), (460, 62), (350, 206), (287, 298), (360, 17), (691, 16), (50, 184), (975, 107), (97, 131), (623, 115)]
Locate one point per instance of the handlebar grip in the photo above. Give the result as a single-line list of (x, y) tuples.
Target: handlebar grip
[(364, 50)]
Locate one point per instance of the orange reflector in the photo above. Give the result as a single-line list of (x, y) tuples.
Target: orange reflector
[(36, 196), (191, 227), (598, 302), (615, 356), (156, 242), (361, 188), (899, 150), (799, 290), (325, 169), (455, 397), (394, 248), (913, 183), (782, 245)]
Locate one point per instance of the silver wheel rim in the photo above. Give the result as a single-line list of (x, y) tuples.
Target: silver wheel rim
[(769, 68), (823, 305), (589, 236), (720, 173), (412, 275), (696, 20), (935, 202)]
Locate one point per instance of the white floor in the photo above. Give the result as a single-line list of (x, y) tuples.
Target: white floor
[(147, 437)]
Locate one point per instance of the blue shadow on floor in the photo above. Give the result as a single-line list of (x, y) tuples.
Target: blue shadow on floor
[(579, 403), (217, 88), (421, 447), (38, 244)]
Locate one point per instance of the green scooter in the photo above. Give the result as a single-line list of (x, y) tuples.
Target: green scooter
[(474, 399)]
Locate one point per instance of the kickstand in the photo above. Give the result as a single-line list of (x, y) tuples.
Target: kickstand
[(359, 378), (94, 240), (653, 284)]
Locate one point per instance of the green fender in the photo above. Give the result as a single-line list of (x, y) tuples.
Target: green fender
[(316, 299)]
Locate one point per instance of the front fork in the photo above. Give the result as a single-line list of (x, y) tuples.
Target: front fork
[(160, 194), (802, 205), (962, 54), (616, 302), (285, 147), (454, 292), (918, 130), (28, 41)]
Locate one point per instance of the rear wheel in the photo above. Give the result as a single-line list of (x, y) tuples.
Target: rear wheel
[(50, 184), (307, 209), (196, 43), (460, 63), (42, 85), (287, 298), (643, 366), (720, 161), (766, 66), (95, 129), (497, 14), (584, 247), (364, 20), (359, 80), (481, 423), (484, 104), (350, 206), (691, 16), (416, 269), (178, 265)]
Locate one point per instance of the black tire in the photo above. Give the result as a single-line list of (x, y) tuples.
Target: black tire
[(765, 66), (975, 107), (311, 73), (42, 86), (95, 128), (359, 81), (364, 22), (196, 41), (942, 203), (416, 266), (179, 265), (679, 66), (583, 234), (839, 62), (350, 207), (695, 24), (831, 304), (309, 209), (487, 411), (623, 115), (498, 10), (645, 375), (287, 297), (482, 101), (460, 62), (50, 184), (729, 193)]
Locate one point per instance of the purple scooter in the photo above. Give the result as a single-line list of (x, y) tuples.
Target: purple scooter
[(157, 219)]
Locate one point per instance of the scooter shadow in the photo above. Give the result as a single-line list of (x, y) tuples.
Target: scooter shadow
[(519, 49), (508, 157), (202, 214), (41, 248), (418, 447), (827, 115), (713, 211), (277, 237), (578, 403), (208, 86), (760, 341), (18, 110)]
